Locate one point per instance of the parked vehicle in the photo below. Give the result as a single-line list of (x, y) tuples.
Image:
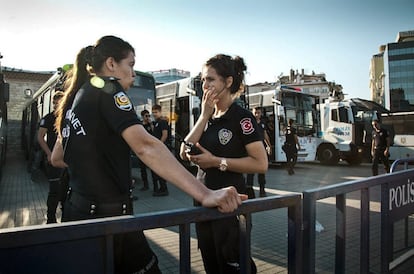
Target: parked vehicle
[(4, 98), (403, 140), (346, 129), (284, 103), (181, 105)]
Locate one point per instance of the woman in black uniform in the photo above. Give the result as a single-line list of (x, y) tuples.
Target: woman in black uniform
[(230, 144), (98, 126)]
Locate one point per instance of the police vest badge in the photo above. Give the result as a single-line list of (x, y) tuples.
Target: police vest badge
[(224, 136)]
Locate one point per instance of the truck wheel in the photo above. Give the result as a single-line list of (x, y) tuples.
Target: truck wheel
[(328, 155)]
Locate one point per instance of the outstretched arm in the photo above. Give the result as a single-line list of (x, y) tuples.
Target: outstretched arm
[(152, 152)]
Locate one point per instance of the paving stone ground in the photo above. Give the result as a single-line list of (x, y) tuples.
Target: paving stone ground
[(23, 203)]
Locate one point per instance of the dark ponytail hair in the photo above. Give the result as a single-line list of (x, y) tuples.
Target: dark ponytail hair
[(226, 66), (89, 60)]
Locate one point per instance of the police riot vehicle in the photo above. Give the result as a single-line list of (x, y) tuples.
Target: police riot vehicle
[(278, 106), (346, 128)]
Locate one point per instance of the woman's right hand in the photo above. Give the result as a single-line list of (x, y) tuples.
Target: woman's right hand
[(208, 103), (225, 199)]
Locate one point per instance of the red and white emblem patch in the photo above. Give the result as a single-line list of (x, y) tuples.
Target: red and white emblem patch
[(247, 126)]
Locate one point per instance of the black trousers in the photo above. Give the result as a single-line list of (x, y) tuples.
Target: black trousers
[(159, 183), (380, 157), (132, 252), (56, 191), (219, 243), (260, 177), (144, 173), (291, 156)]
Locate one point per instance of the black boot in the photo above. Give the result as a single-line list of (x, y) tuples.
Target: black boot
[(262, 191), (163, 191), (250, 192)]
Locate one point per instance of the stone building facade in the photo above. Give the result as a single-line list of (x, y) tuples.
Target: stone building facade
[(19, 81)]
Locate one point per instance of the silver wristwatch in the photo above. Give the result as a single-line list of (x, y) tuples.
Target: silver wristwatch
[(223, 165)]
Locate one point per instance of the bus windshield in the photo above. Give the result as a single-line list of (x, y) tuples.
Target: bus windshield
[(299, 107), (142, 93)]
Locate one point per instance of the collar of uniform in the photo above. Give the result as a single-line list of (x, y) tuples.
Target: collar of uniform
[(110, 85), (226, 115)]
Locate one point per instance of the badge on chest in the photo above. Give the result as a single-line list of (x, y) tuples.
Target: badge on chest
[(224, 136)]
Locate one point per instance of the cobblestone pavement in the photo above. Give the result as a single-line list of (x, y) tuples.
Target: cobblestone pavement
[(23, 203)]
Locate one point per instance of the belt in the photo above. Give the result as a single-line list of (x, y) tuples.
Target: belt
[(102, 208)]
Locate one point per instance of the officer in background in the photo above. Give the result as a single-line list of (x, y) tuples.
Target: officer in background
[(380, 147), (291, 146), (160, 131), (47, 129), (261, 177), (146, 123)]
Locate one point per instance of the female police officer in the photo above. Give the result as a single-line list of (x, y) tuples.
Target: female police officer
[(228, 138), (98, 127)]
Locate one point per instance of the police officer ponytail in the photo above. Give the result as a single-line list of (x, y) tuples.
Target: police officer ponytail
[(90, 60), (227, 66), (75, 78)]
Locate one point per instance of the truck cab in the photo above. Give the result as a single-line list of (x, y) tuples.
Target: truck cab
[(346, 130)]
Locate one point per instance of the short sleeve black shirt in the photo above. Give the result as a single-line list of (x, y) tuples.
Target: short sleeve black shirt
[(48, 122), (290, 135), (159, 126), (148, 127), (380, 138), (97, 155), (227, 137)]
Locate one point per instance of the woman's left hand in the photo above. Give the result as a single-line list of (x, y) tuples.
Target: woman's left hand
[(204, 160)]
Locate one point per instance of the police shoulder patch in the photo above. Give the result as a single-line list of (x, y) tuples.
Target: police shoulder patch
[(247, 126), (122, 101)]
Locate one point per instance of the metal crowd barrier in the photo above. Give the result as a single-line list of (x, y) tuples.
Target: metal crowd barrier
[(387, 225), (88, 245), (310, 198)]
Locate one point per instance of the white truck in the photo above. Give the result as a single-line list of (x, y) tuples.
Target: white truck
[(345, 129)]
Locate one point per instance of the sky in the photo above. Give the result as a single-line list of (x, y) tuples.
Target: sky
[(334, 37)]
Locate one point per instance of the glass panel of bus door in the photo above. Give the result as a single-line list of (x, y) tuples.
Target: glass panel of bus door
[(279, 132), (269, 117)]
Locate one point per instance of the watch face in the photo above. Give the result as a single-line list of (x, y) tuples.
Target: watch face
[(223, 165)]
